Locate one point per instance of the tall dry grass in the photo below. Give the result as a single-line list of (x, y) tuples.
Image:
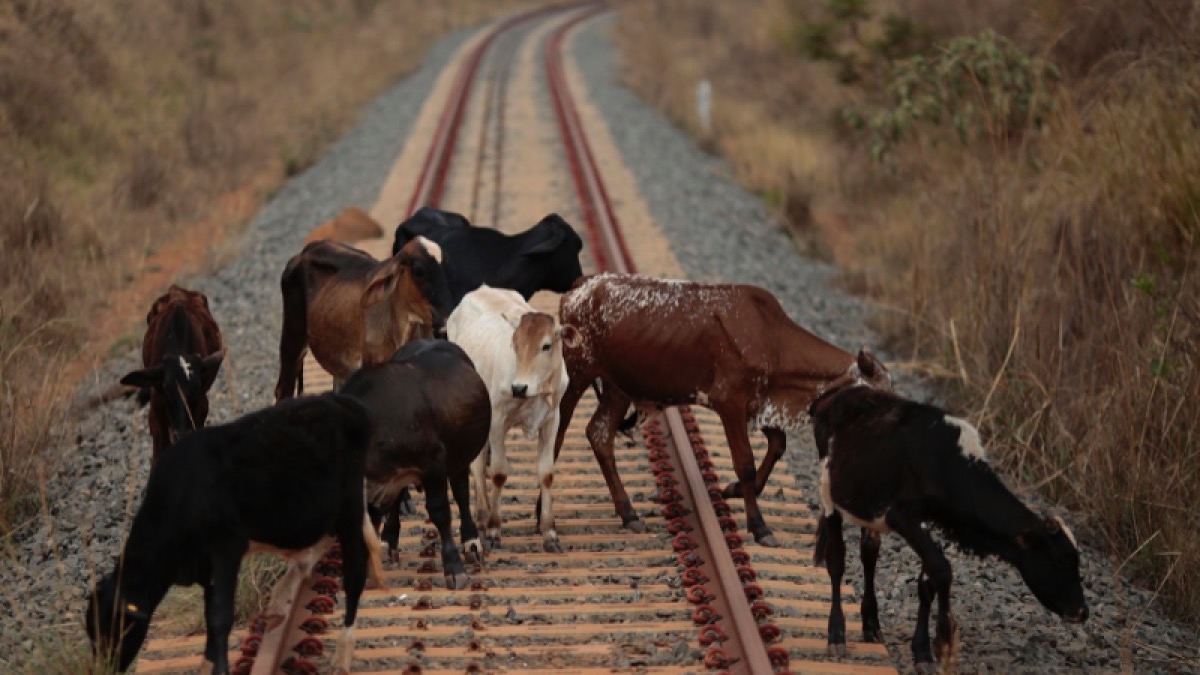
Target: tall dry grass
[(1051, 282), (123, 123)]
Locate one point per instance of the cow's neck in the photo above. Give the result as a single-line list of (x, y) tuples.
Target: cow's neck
[(806, 366), (388, 327), (986, 518)]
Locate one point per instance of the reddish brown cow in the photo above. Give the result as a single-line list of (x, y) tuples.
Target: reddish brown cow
[(730, 348), (181, 354), (354, 310)]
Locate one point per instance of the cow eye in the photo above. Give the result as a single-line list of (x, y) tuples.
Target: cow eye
[(546, 347)]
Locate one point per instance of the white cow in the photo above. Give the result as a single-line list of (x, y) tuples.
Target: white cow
[(518, 353)]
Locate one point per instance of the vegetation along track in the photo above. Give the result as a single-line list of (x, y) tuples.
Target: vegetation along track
[(689, 594)]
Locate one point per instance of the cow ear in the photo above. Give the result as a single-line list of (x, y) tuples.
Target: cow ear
[(513, 316), (547, 236), (144, 378), (570, 336), (210, 363), (381, 283)]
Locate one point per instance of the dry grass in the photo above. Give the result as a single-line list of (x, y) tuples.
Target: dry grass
[(1052, 283), (123, 123)]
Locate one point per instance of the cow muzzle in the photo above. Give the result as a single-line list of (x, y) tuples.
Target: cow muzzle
[(520, 390)]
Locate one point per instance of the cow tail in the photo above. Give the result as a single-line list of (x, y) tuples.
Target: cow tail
[(293, 338)]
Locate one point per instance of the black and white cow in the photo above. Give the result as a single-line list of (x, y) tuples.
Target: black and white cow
[(544, 257), (890, 465)]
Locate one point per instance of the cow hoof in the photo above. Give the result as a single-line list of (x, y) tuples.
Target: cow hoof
[(457, 582), (493, 542), (393, 554), (552, 546), (732, 490), (768, 540), (872, 635), (926, 668), (837, 650), (637, 525), (473, 551)]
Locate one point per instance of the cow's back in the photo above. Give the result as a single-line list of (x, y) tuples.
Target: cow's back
[(428, 392)]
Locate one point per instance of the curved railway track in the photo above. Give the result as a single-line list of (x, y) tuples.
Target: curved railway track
[(687, 595)]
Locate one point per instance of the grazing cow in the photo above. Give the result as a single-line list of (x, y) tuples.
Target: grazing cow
[(518, 353), (354, 310), (287, 479), (889, 465), (730, 348), (432, 416), (181, 354), (351, 225), (544, 257)]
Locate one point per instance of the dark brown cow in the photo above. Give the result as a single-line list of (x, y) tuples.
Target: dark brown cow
[(727, 347), (181, 354), (353, 310)]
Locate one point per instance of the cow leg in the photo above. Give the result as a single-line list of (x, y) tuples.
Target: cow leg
[(356, 559), (601, 431), (776, 446), (218, 608), (437, 503), (460, 486), (405, 502), (834, 548), (391, 529), (479, 474), (869, 548), (733, 418), (545, 474), (922, 656), (300, 566), (497, 473), (566, 409), (937, 568)]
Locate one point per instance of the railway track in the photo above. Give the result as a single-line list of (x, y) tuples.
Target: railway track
[(687, 595)]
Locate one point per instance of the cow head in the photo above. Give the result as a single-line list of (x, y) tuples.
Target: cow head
[(415, 283), (116, 625), (426, 222), (1048, 560), (180, 379), (537, 343), (557, 247)]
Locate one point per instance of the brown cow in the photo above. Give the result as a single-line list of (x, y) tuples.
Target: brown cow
[(730, 348), (354, 310), (181, 354), (351, 225)]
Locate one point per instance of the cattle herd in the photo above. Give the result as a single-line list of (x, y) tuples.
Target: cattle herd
[(436, 354)]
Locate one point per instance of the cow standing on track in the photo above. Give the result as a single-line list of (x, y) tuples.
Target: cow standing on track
[(287, 479), (544, 257), (351, 309), (518, 353), (890, 465), (181, 354), (730, 348), (432, 416)]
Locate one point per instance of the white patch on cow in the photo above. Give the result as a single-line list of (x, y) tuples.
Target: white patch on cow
[(772, 416), (701, 398), (969, 443), (1067, 531), (187, 370), (431, 248), (827, 505)]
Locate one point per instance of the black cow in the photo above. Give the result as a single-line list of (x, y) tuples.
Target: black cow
[(287, 479), (432, 415), (889, 465), (544, 257)]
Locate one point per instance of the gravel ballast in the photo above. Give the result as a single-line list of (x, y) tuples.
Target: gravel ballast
[(718, 232)]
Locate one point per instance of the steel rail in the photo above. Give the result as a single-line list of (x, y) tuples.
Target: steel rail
[(612, 254)]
